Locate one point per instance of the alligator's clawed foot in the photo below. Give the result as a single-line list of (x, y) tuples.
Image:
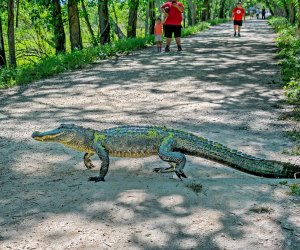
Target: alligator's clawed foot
[(158, 170), (96, 179), (180, 174), (90, 166)]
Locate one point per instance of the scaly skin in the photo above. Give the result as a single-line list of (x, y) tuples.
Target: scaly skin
[(170, 145)]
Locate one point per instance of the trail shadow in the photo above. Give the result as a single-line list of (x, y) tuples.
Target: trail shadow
[(218, 87)]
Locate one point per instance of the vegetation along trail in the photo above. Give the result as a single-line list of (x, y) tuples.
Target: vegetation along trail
[(220, 87)]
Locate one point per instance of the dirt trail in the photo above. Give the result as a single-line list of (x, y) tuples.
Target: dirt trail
[(219, 87)]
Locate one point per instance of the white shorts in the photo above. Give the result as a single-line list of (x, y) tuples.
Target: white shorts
[(158, 38)]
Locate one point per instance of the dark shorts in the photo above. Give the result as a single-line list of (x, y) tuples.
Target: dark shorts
[(239, 23), (170, 29)]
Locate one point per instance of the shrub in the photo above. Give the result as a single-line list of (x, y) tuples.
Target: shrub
[(289, 54)]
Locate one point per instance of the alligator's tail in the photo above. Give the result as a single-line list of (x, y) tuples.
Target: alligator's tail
[(243, 162)]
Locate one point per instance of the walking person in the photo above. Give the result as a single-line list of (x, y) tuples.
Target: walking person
[(257, 13), (263, 13), (251, 10), (172, 24), (158, 29), (238, 14)]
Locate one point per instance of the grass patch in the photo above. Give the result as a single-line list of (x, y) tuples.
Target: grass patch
[(289, 53), (294, 187)]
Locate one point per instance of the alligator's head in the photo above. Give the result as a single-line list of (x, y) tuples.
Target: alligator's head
[(64, 134)]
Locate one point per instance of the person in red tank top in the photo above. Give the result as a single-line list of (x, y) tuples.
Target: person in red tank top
[(238, 14), (172, 23)]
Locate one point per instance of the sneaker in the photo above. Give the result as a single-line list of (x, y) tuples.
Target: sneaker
[(234, 34), (239, 35), (179, 48), (167, 49)]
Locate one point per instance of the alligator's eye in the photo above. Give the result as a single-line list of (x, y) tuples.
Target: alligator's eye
[(66, 125)]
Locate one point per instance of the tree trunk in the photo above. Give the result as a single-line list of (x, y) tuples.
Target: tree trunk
[(205, 11), (298, 31), (117, 28), (11, 35), (222, 9), (192, 8), (132, 19), (74, 25), (268, 4), (58, 26), (104, 26), (286, 9), (292, 12), (147, 21), (17, 13), (88, 24), (151, 16), (2, 50)]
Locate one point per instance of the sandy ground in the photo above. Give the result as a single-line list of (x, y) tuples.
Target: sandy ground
[(219, 87)]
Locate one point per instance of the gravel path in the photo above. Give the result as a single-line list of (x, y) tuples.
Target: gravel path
[(220, 87)]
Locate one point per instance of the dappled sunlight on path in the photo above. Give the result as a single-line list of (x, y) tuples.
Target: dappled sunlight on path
[(220, 87)]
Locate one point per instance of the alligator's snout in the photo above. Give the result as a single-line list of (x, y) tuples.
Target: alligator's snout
[(35, 134)]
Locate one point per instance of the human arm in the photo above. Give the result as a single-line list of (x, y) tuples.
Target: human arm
[(178, 6)]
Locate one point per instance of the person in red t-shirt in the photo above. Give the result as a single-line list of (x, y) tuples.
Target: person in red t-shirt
[(238, 14), (172, 23)]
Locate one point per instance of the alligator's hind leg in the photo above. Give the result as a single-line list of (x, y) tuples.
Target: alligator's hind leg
[(87, 161), (170, 169), (175, 159)]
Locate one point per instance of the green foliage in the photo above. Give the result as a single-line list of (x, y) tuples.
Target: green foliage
[(202, 26), (292, 90), (294, 187), (289, 45)]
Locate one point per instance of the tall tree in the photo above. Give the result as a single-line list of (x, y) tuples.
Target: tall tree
[(104, 25), (88, 24), (292, 12), (298, 18), (132, 18), (206, 10), (222, 9), (192, 7), (118, 31), (151, 16), (58, 26), (11, 34), (2, 50), (74, 25)]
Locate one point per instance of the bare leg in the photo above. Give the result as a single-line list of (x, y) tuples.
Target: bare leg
[(168, 41)]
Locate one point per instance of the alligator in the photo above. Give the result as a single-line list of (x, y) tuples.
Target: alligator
[(169, 144)]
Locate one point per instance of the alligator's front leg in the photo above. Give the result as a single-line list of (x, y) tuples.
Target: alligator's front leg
[(87, 161), (103, 155), (176, 160)]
